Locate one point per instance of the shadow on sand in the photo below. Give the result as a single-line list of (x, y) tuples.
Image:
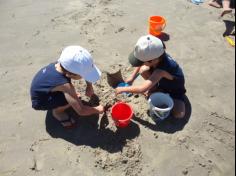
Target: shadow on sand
[(170, 125), (164, 37), (88, 133)]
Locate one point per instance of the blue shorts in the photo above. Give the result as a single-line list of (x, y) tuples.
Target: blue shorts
[(176, 96), (51, 101), (175, 88)]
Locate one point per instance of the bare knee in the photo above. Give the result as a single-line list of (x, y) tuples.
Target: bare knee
[(179, 115), (61, 109), (145, 72), (179, 109)]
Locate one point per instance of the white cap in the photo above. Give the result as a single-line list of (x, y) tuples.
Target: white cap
[(78, 60), (148, 48)]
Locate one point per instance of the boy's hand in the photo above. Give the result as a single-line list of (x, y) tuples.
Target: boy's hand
[(129, 81), (119, 90), (89, 91), (100, 109)]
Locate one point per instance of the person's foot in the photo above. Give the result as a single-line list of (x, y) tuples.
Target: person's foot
[(226, 11), (215, 4), (66, 121)]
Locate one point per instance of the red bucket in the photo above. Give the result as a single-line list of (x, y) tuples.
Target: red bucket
[(122, 113)]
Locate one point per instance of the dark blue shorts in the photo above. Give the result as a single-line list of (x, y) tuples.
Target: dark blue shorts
[(180, 96), (175, 88), (51, 101)]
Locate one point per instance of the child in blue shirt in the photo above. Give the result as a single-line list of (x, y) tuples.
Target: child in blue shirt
[(160, 71), (51, 88)]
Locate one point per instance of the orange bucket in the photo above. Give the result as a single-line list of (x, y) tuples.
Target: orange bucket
[(156, 25)]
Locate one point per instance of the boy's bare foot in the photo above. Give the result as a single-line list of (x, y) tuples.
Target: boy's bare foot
[(226, 11), (226, 7), (66, 121), (215, 4)]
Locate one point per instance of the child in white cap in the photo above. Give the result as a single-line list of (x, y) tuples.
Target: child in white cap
[(160, 71), (51, 88)]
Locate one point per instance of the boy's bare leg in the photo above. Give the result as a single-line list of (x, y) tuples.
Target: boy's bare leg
[(179, 109), (145, 73), (60, 115), (226, 7), (215, 3)]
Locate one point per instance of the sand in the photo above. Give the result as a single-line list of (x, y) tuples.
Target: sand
[(33, 33)]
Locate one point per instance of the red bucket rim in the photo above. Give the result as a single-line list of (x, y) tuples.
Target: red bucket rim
[(131, 115)]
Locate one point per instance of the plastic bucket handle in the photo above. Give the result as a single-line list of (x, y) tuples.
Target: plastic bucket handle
[(163, 113)]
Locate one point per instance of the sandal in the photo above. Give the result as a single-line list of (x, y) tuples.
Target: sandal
[(225, 12), (70, 121)]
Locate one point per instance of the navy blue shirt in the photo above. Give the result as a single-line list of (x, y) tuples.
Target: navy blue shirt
[(44, 81), (171, 66), (176, 86)]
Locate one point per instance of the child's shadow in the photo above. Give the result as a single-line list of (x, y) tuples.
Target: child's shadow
[(170, 125), (88, 133)]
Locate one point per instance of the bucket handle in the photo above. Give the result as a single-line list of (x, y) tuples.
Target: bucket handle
[(154, 110)]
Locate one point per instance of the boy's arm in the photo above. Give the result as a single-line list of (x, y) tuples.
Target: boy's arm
[(89, 89), (76, 103), (131, 79), (148, 84)]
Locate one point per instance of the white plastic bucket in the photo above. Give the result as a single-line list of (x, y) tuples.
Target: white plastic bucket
[(161, 105)]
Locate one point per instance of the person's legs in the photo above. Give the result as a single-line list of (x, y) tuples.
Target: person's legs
[(58, 104), (226, 8), (60, 114), (60, 110), (145, 72), (179, 109), (215, 3)]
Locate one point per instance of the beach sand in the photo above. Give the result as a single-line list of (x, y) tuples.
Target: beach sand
[(33, 34)]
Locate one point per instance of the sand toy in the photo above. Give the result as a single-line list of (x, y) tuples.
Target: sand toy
[(122, 113), (156, 25), (160, 105), (230, 41)]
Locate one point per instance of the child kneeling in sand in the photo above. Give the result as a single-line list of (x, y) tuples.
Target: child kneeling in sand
[(160, 71), (51, 88)]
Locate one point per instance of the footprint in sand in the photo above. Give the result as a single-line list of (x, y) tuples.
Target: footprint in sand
[(38, 163), (104, 2)]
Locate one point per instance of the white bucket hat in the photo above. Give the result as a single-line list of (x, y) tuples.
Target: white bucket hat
[(78, 60), (147, 48)]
